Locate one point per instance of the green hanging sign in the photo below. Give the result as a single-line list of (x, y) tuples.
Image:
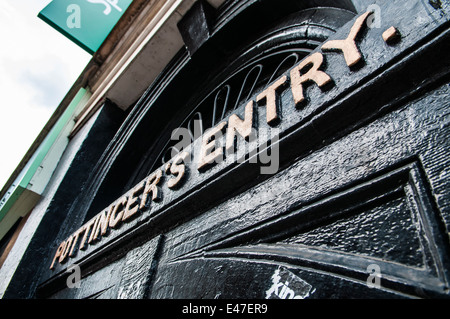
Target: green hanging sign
[(85, 22)]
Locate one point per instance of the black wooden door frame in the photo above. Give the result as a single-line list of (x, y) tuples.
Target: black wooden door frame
[(402, 72)]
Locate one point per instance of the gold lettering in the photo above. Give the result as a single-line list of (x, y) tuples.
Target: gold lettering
[(308, 70), (103, 222), (116, 216), (348, 45), (207, 155), (86, 232), (151, 187), (63, 256), (177, 168), (76, 235), (243, 127), (94, 228), (58, 253), (313, 74), (390, 35), (269, 95), (129, 210)]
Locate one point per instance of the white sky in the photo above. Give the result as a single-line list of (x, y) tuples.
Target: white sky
[(38, 66)]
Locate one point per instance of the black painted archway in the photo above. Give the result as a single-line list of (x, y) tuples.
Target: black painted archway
[(358, 205)]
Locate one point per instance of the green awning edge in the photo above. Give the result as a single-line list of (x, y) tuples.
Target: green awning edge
[(66, 34), (42, 152)]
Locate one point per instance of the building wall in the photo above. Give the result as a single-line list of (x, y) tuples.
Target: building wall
[(28, 253), (358, 189)]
